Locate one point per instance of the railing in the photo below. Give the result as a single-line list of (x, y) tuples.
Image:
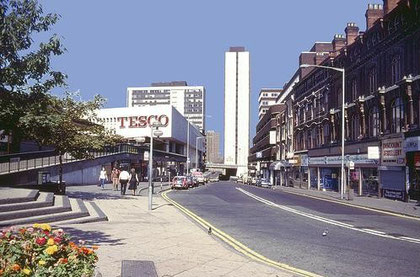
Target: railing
[(23, 162)]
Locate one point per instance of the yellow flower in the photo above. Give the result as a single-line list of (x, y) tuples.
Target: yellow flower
[(36, 225), (41, 262), (51, 249), (45, 227), (50, 242), (26, 271)]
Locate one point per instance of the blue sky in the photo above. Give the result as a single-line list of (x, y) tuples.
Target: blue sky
[(115, 44)]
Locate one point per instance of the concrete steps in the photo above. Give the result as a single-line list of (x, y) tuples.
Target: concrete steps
[(30, 206)]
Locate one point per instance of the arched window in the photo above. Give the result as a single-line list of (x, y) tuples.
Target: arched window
[(327, 137), (374, 122), (308, 140), (353, 90), (355, 127), (395, 69), (372, 81), (398, 116)]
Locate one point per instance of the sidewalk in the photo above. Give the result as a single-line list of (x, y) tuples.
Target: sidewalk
[(394, 206), (176, 245)]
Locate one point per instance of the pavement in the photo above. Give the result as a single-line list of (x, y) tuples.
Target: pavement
[(176, 245), (411, 208)]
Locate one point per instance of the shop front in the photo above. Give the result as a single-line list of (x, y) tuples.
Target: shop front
[(393, 170), (412, 152), (361, 172), (299, 173)]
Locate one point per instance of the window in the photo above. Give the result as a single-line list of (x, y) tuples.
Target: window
[(355, 127), (326, 133), (308, 140), (374, 122), (398, 117), (353, 90), (339, 98), (372, 81), (395, 69)]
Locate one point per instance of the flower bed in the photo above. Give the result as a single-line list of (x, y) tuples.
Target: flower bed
[(41, 251)]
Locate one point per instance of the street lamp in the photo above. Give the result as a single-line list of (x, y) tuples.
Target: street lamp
[(157, 133), (342, 120), (188, 144), (196, 150)]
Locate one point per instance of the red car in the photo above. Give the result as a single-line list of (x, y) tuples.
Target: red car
[(180, 182)]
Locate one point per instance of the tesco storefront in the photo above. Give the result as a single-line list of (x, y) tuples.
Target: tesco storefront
[(133, 123)]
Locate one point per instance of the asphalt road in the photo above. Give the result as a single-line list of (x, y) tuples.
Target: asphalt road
[(289, 229)]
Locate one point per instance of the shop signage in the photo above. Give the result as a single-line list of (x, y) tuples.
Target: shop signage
[(373, 152), (146, 155), (336, 160), (394, 194), (392, 152), (258, 155), (273, 137), (412, 144), (142, 121)]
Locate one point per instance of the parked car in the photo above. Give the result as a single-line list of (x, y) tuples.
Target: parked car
[(252, 181), (190, 181), (265, 183), (233, 178), (198, 178), (214, 178), (179, 182)]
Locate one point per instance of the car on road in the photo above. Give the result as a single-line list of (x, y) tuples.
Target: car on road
[(233, 178), (198, 178), (214, 178), (179, 182), (264, 183)]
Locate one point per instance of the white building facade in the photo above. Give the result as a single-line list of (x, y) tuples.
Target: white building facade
[(188, 100), (266, 98), (237, 98), (134, 123)]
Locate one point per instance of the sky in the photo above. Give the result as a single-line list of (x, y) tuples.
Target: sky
[(112, 45)]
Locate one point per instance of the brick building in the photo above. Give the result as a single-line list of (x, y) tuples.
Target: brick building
[(382, 107)]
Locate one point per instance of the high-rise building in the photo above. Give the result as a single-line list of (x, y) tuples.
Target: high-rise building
[(237, 97), (267, 98), (188, 100), (213, 146)]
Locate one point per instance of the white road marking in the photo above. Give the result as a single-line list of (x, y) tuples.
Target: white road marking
[(327, 220)]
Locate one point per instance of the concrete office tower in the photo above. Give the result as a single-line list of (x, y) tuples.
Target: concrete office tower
[(213, 146), (237, 94), (188, 100), (267, 98)]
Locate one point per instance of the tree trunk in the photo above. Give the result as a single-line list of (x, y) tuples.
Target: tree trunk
[(60, 168)]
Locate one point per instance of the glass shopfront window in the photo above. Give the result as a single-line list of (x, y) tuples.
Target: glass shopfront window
[(370, 181)]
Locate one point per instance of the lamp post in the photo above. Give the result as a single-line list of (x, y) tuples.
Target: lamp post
[(342, 119), (188, 144), (157, 133), (196, 150)]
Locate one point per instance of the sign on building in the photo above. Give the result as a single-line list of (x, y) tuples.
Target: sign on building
[(373, 152), (392, 152)]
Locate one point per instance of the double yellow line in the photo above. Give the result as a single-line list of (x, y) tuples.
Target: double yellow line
[(236, 244)]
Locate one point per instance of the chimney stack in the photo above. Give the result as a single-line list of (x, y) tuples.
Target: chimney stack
[(389, 5), (338, 42), (373, 13), (351, 33)]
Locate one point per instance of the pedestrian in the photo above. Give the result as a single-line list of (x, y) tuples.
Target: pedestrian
[(124, 177), (114, 176), (103, 177), (134, 180)]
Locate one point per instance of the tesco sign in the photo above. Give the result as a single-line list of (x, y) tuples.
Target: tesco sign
[(142, 121)]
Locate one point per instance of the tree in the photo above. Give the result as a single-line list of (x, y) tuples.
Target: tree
[(26, 78), (68, 125)]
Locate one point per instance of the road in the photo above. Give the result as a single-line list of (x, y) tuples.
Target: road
[(291, 229)]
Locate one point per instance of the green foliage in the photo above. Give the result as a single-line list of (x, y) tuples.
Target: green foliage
[(25, 74)]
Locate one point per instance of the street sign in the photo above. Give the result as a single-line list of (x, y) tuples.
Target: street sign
[(373, 152), (351, 165)]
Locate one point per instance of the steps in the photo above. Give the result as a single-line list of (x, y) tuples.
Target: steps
[(24, 207)]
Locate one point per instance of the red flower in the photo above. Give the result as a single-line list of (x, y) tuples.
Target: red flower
[(57, 239), (46, 232), (41, 241)]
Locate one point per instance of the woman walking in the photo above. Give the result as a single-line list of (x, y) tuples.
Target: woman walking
[(114, 176), (134, 180), (103, 177)]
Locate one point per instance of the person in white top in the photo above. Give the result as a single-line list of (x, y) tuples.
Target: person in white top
[(103, 176), (124, 177)]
